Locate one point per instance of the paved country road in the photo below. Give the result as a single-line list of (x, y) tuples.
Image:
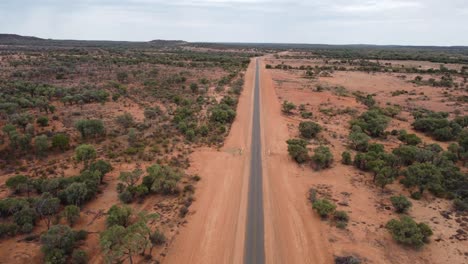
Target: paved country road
[(254, 237)]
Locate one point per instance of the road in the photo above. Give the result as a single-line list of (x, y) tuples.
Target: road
[(254, 237)]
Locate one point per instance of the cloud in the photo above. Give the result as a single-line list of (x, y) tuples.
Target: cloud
[(415, 22)]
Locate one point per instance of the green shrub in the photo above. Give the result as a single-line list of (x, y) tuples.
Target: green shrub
[(79, 257), (43, 121), (309, 129), (297, 150), (400, 203), (406, 231), (322, 157), (324, 207), (346, 158), (287, 107)]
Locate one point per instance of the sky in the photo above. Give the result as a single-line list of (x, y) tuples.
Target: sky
[(385, 22)]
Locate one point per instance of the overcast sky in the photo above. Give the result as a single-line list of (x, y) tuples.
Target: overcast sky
[(406, 22)]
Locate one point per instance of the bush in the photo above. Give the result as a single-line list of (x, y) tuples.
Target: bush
[(8, 229), (346, 158), (61, 141), (341, 218), (359, 141), (158, 238), (58, 237), (162, 179), (297, 150), (125, 120), (400, 203), (347, 260), (90, 128), (309, 129), (406, 231), (372, 122), (322, 157), (43, 121), (126, 197), (287, 107), (324, 207)]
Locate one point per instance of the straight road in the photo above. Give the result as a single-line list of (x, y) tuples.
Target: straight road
[(254, 252)]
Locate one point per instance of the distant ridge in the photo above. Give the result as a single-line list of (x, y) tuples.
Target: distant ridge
[(18, 39)]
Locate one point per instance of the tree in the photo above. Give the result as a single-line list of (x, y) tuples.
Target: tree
[(41, 145), (324, 207), (59, 238), (76, 193), (25, 219), (346, 158), (118, 242), (322, 157), (423, 175), (102, 166), (22, 120), (71, 213), (385, 175), (309, 129), (406, 231), (61, 141), (287, 107), (400, 203), (42, 121), (18, 183), (85, 153), (119, 216), (47, 206), (79, 257), (130, 177), (90, 128)]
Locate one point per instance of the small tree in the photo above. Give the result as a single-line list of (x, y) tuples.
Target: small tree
[(71, 213), (79, 257), (322, 157), (102, 166), (90, 128), (85, 153), (41, 145), (118, 216), (400, 203), (359, 141), (46, 207), (76, 193), (18, 183), (58, 239), (130, 177), (309, 129)]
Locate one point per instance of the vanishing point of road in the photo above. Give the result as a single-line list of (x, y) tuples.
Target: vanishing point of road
[(254, 252)]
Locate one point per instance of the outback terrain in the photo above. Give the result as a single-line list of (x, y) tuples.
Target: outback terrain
[(142, 152)]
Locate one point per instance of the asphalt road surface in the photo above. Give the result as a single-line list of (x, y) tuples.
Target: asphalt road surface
[(254, 252)]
